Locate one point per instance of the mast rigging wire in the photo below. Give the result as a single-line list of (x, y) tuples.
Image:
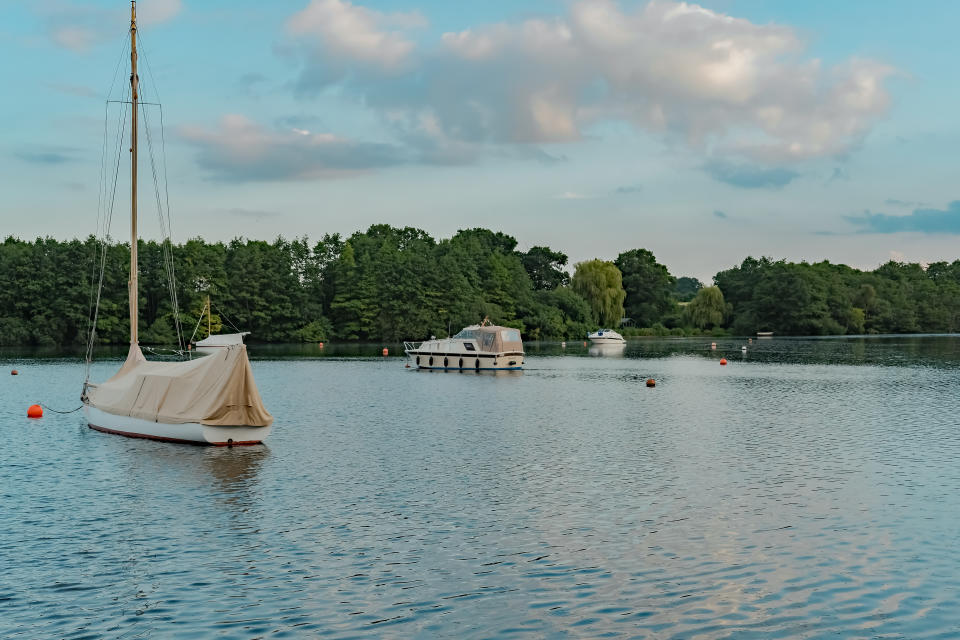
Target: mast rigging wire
[(105, 207)]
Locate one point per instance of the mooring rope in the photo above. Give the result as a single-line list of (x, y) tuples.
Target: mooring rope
[(56, 411)]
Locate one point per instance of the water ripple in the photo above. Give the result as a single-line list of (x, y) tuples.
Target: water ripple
[(800, 492)]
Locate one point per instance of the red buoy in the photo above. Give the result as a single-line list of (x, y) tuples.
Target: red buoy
[(386, 351), (723, 361), (14, 373), (34, 411), (651, 382), (320, 344)]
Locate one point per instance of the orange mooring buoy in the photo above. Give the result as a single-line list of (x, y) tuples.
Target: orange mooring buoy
[(386, 351), (723, 361), (14, 373), (34, 411), (651, 382), (320, 344)]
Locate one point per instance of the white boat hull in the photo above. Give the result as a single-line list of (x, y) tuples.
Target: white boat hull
[(602, 341), (188, 433), (466, 362)]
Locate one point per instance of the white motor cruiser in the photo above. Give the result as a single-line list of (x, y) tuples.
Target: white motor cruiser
[(479, 347), (606, 336)]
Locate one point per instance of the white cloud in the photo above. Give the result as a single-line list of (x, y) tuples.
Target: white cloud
[(243, 150), (719, 84), (73, 37), (356, 33), (151, 12), (79, 27)]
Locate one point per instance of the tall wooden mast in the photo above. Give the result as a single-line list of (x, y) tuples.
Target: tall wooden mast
[(133, 290)]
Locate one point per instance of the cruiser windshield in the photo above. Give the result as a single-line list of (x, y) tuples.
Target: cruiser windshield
[(510, 335)]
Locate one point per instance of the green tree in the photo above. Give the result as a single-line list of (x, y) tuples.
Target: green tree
[(648, 286), (686, 288), (546, 267), (600, 283), (707, 309)]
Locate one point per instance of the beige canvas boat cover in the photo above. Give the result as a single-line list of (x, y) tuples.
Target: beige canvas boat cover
[(494, 338), (216, 390)]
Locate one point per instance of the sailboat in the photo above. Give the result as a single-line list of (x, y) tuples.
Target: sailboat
[(210, 400)]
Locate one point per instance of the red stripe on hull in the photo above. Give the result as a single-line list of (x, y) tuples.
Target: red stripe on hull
[(145, 436)]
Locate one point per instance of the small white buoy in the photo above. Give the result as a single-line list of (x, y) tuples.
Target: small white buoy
[(743, 348), (563, 345), (713, 345)]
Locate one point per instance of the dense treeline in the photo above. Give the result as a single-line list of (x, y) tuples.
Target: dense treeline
[(390, 284)]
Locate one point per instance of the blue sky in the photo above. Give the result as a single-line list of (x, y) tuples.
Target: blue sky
[(705, 133)]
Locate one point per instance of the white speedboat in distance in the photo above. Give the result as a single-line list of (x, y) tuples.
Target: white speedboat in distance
[(606, 336), (479, 347)]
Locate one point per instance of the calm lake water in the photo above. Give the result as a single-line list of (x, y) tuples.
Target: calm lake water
[(809, 489)]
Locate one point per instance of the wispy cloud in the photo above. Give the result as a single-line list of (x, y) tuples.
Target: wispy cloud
[(630, 189), (76, 90), (572, 195), (839, 173), (80, 26), (47, 155), (242, 150), (893, 202), (252, 213), (719, 214), (920, 220), (749, 176)]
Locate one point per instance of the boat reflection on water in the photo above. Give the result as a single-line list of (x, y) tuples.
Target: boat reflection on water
[(228, 472), (608, 350), (235, 468), (487, 373)]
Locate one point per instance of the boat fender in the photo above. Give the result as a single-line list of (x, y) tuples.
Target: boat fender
[(461, 363), (418, 361), (477, 365), (444, 363), (431, 361)]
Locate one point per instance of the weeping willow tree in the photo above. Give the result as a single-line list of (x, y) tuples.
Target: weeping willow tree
[(600, 283), (707, 309)]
